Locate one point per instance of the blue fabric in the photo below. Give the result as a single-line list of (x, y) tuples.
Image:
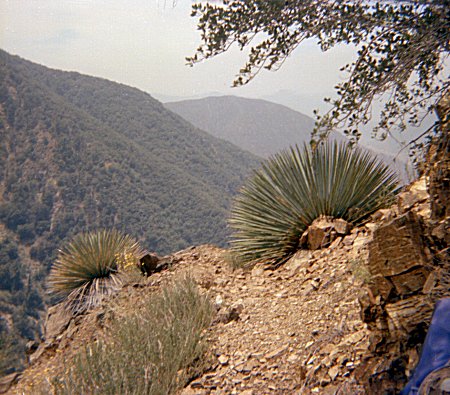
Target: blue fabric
[(436, 349)]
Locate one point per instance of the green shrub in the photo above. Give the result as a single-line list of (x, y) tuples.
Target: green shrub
[(92, 266), (295, 187), (152, 351), (10, 359)]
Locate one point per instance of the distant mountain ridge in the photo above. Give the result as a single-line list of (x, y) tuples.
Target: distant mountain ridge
[(260, 126), (80, 153)]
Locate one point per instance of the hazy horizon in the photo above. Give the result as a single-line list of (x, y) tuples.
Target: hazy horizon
[(143, 43)]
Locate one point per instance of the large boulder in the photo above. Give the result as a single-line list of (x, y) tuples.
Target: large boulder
[(397, 254), (323, 231)]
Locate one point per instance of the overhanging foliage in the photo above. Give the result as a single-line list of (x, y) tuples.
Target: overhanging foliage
[(402, 47)]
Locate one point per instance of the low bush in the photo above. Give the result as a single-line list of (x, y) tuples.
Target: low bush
[(152, 351)]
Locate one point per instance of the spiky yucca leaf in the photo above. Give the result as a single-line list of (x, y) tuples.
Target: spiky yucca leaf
[(90, 267), (295, 187)]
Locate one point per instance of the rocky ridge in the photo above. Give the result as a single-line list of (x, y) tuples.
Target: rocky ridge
[(300, 328)]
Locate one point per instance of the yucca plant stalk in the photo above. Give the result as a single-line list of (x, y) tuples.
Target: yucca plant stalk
[(297, 186), (91, 266)]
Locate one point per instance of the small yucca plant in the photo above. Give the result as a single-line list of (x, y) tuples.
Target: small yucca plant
[(297, 186), (92, 266)]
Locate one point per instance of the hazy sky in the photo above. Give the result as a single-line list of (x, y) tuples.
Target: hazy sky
[(144, 43)]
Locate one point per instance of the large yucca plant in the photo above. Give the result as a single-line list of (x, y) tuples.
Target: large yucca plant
[(92, 266), (297, 186)]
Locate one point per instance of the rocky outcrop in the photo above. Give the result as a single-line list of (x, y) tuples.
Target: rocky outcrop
[(405, 278), (397, 258), (323, 231), (439, 165), (410, 269)]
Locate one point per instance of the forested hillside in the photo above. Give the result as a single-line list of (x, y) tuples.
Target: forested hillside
[(80, 153)]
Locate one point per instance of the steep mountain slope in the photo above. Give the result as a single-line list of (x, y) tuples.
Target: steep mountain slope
[(79, 153)]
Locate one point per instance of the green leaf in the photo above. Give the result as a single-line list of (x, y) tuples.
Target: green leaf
[(295, 187), (90, 267)]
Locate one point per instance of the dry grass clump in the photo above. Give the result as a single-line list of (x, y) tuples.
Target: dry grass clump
[(151, 351)]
